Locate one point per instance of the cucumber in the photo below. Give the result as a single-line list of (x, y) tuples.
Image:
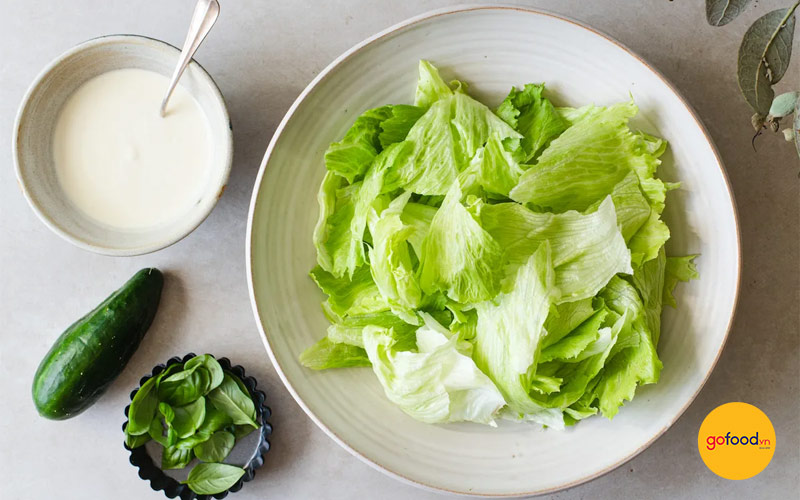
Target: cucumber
[(92, 352)]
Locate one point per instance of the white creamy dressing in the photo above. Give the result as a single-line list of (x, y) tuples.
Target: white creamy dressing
[(120, 162)]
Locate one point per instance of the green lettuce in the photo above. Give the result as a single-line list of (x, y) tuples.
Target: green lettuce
[(438, 384), (587, 249), (391, 264), (529, 112), (326, 354), (487, 265), (458, 256), (510, 329)]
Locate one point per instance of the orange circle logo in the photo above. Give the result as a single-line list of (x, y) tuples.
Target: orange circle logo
[(736, 441)]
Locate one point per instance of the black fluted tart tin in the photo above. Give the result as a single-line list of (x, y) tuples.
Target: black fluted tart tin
[(172, 488)]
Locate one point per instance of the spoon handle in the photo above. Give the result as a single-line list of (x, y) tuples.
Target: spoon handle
[(204, 17)]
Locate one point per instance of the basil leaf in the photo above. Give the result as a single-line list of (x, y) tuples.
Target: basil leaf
[(142, 409), (167, 412), (209, 363), (721, 12), (230, 398), (210, 479), (162, 433), (166, 372), (161, 429), (218, 446), (764, 56), (243, 388), (134, 442), (189, 417), (184, 387), (192, 441), (241, 431), (175, 458), (215, 419)]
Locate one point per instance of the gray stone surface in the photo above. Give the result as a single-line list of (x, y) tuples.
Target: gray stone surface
[(262, 54)]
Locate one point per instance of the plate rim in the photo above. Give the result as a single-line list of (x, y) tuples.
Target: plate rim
[(260, 177)]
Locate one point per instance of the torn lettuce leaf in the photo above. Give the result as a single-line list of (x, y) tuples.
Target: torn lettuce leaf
[(567, 316), (510, 329), (326, 354), (493, 168), (348, 297), (633, 360), (578, 375), (326, 198), (534, 116), (458, 256), (630, 204), (373, 131), (443, 143), (438, 384), (430, 86), (587, 249), (585, 162), (348, 330), (647, 241), (390, 260), (678, 269)]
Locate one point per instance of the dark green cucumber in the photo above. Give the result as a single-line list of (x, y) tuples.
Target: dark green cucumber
[(92, 352)]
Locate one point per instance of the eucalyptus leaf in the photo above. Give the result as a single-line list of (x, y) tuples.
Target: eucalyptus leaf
[(721, 12), (185, 386), (142, 409), (216, 448), (189, 417), (210, 479), (231, 399), (796, 126), (783, 105), (175, 458), (764, 56), (209, 363)]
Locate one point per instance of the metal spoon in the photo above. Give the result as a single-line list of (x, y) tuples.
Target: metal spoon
[(204, 17)]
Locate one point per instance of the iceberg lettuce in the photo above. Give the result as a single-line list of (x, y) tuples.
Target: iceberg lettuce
[(488, 265)]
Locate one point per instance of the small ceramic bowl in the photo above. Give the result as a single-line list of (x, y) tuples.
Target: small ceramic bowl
[(33, 142), (248, 453)]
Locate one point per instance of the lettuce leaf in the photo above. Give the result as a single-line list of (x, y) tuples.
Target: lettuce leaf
[(438, 384), (349, 330), (678, 269), (633, 360), (567, 316), (373, 131), (587, 249), (534, 116), (326, 354), (430, 86), (443, 143), (390, 257), (347, 297), (458, 256), (510, 329)]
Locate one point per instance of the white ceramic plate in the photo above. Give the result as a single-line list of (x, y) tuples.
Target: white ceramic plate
[(492, 49)]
